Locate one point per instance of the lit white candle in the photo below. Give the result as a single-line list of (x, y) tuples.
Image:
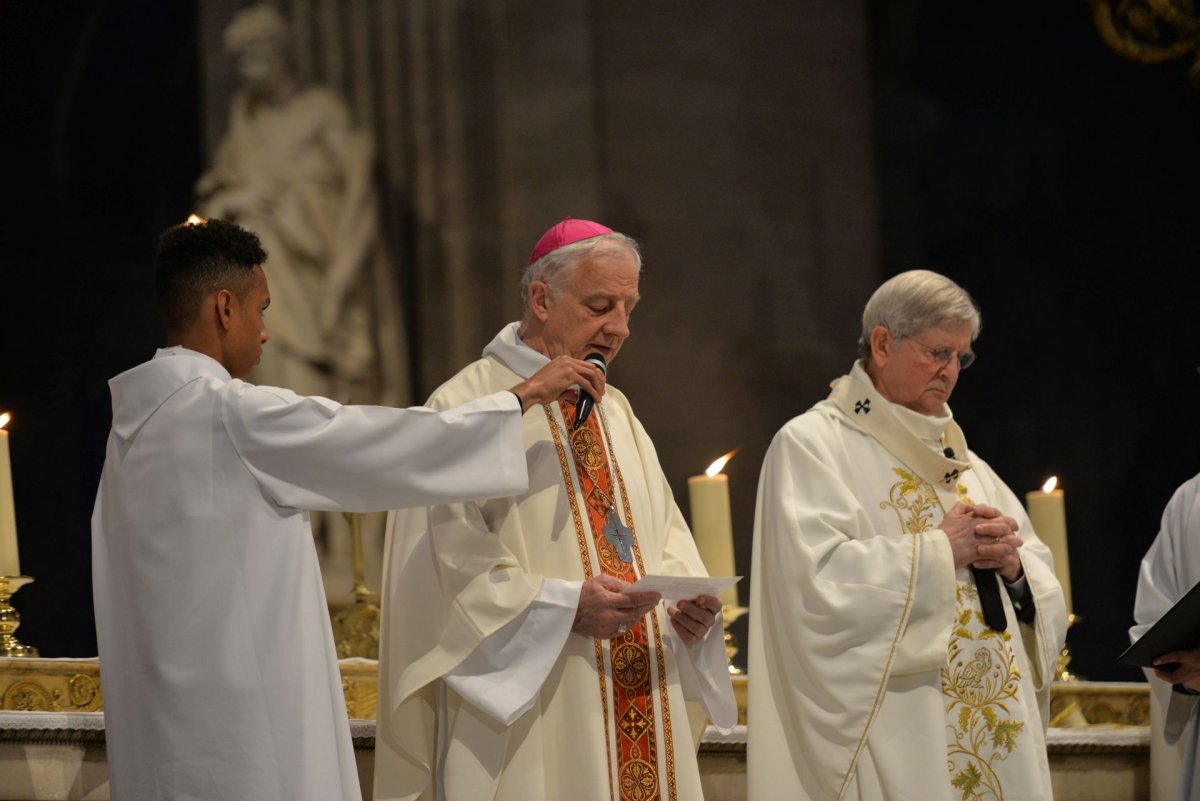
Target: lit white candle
[(1048, 514), (10, 562), (712, 524)]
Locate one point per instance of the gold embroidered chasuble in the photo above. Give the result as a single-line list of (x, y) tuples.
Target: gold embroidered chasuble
[(610, 721), (875, 676)]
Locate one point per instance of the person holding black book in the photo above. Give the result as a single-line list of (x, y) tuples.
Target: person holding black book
[(1170, 568)]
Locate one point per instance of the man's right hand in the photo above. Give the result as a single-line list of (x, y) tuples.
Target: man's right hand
[(604, 608), (561, 374)]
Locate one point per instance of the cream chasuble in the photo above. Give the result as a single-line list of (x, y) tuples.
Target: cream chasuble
[(873, 673), (579, 718)]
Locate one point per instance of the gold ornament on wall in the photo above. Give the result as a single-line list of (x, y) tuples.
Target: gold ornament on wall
[(1151, 31)]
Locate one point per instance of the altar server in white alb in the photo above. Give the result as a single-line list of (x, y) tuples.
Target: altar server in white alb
[(219, 673), (905, 617), (1170, 568), (513, 666)]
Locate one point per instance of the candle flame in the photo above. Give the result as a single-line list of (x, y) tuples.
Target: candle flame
[(4, 418), (1050, 484), (195, 219), (719, 464)]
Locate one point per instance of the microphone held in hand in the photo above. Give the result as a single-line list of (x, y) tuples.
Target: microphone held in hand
[(586, 401)]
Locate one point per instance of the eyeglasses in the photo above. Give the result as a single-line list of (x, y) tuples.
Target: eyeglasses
[(942, 356)]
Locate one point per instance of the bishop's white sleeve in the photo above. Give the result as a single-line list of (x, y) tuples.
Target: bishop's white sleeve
[(504, 674), (703, 667), (312, 453), (704, 674)]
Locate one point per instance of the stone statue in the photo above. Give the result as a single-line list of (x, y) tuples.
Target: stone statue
[(294, 169)]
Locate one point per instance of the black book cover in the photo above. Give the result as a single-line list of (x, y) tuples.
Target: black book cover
[(1177, 630)]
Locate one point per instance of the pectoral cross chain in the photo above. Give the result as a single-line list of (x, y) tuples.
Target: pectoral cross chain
[(619, 536)]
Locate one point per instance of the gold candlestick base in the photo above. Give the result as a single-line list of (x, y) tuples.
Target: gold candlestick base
[(356, 628), (10, 621), (730, 614), (1062, 672)]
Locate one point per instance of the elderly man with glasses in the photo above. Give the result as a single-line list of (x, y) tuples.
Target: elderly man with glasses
[(905, 617)]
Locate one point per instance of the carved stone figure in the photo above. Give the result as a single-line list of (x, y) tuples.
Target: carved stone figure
[(295, 170)]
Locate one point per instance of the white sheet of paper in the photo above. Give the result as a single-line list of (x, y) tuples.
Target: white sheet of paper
[(676, 587)]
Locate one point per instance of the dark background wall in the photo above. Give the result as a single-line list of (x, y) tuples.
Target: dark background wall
[(1011, 150), (101, 144), (1055, 181)]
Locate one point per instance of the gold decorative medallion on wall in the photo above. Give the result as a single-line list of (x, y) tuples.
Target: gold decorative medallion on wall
[(1151, 31)]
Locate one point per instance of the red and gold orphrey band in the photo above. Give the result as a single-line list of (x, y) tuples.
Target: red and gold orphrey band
[(628, 656)]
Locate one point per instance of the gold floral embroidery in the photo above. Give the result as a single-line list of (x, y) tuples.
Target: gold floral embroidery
[(981, 680), (980, 683), (913, 501)]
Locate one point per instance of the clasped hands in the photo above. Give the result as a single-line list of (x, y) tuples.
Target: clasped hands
[(984, 537), (605, 611)]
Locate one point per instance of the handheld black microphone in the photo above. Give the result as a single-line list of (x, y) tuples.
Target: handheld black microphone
[(586, 401)]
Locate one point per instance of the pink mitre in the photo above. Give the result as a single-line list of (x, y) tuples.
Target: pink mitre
[(567, 232)]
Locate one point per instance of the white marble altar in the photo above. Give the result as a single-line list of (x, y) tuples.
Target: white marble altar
[(60, 756)]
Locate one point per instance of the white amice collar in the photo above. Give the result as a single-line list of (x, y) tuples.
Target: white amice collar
[(929, 428), (508, 347), (915, 439)]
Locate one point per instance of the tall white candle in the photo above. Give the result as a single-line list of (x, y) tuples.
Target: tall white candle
[(10, 562), (712, 524), (1048, 514)]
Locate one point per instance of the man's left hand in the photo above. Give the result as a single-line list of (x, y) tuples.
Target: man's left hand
[(692, 619)]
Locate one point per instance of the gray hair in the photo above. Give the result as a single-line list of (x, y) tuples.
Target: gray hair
[(913, 301), (557, 266)]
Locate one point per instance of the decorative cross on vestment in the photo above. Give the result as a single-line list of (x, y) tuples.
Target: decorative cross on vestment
[(953, 474), (619, 536), (863, 406)]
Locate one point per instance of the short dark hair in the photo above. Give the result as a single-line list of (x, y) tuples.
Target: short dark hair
[(194, 259)]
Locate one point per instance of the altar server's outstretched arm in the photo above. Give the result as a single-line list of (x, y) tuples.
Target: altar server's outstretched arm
[(313, 453)]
